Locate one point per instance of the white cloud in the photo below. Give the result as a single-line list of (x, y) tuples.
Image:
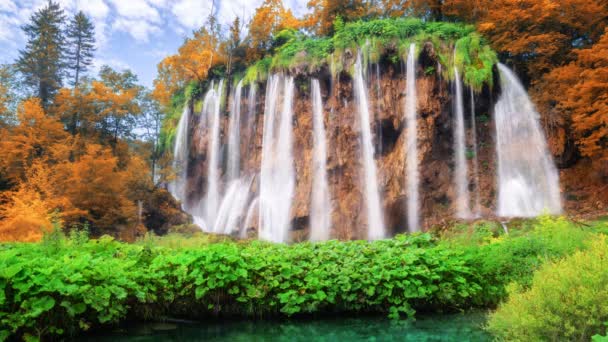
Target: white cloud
[(136, 9), (191, 13), (96, 9), (140, 30), (7, 5)]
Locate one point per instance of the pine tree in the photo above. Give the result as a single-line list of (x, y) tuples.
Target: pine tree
[(80, 36), (42, 61)]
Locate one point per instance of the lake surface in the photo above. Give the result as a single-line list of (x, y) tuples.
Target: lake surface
[(453, 327)]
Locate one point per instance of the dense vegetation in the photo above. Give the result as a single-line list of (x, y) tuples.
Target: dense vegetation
[(383, 37), (567, 300), (76, 148), (50, 288)]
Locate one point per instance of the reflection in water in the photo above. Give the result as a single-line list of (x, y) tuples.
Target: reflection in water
[(459, 327)]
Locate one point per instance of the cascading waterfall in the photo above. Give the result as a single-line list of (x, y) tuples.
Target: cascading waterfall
[(320, 207), (375, 220), (234, 141), (247, 223), (461, 176), (180, 157), (213, 176), (477, 212), (233, 206), (411, 161), (528, 183), (251, 102), (277, 178)]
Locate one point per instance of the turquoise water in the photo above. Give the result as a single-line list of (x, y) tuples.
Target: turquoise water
[(458, 327)]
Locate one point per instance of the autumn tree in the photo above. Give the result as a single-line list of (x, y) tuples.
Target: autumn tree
[(37, 136), (42, 61), (81, 46), (574, 98), (324, 13), (269, 19), (194, 59), (537, 35)]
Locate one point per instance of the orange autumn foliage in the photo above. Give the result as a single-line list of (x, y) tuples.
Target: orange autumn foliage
[(538, 34), (325, 12), (194, 59), (270, 18), (38, 136), (29, 211), (577, 94), (71, 180)]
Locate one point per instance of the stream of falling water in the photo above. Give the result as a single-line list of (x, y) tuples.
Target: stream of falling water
[(477, 212), (411, 161), (375, 220), (461, 174), (234, 140), (320, 206), (213, 175), (250, 133), (528, 183), (277, 177), (180, 157)]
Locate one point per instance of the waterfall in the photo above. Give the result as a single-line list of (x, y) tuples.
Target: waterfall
[(476, 158), (320, 206), (250, 132), (277, 178), (528, 183), (249, 217), (232, 207), (234, 141), (374, 211), (213, 155), (411, 161), (461, 179), (180, 157)]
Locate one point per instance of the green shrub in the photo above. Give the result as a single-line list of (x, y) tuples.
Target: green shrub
[(66, 285), (567, 300)]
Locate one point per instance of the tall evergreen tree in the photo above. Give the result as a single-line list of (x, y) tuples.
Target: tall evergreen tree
[(80, 36), (42, 61)]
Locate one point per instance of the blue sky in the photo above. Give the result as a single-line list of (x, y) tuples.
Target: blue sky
[(133, 34)]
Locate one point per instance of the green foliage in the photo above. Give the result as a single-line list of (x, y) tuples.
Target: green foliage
[(566, 301), (381, 37), (258, 72), (65, 285)]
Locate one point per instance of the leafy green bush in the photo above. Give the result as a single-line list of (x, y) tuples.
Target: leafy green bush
[(65, 285), (567, 300)]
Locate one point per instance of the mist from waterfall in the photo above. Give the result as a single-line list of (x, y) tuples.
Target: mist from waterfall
[(411, 161), (320, 206), (477, 212), (461, 174), (277, 177), (234, 140), (528, 183), (180, 157), (375, 218)]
